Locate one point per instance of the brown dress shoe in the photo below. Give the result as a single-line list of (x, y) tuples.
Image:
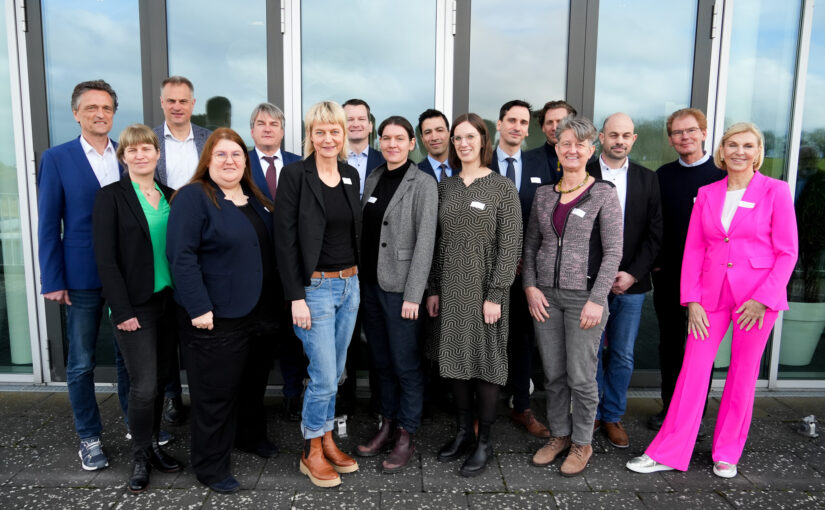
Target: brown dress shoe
[(528, 420), (616, 434), (576, 460), (401, 453), (548, 453), (379, 442), (340, 461), (315, 466)]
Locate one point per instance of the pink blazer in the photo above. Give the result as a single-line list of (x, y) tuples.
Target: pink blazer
[(757, 254)]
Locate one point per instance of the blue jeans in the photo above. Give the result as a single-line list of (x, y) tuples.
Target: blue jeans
[(333, 307), (393, 342), (620, 336)]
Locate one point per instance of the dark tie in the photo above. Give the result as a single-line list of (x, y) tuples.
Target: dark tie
[(442, 174), (271, 175), (511, 169)]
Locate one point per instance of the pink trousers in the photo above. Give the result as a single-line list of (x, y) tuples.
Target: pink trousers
[(674, 443)]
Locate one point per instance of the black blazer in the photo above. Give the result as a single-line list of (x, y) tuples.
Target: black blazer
[(549, 162), (123, 248), (642, 223), (214, 253), (534, 173), (300, 221)]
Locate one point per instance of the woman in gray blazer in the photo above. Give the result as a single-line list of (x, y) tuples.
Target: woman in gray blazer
[(400, 204)]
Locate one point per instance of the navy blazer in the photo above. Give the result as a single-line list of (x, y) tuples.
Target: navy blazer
[(123, 247), (300, 221), (200, 135), (214, 253), (548, 162), (258, 172), (642, 223), (66, 187), (534, 173), (426, 166), (374, 160)]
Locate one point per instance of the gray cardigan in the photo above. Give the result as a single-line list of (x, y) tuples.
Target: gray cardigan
[(408, 231)]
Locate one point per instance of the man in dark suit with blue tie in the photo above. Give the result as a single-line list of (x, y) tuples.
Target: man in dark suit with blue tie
[(69, 177), (359, 128), (549, 117), (435, 136), (528, 172)]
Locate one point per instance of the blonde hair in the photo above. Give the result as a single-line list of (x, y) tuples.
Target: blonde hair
[(325, 112), (736, 129), (136, 134)]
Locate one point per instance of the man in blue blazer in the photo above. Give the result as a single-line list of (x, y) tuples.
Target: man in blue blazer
[(549, 117), (435, 136), (181, 142), (68, 179), (527, 173), (359, 128)]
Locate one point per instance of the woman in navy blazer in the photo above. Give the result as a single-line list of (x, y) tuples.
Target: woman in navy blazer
[(129, 228), (222, 258)]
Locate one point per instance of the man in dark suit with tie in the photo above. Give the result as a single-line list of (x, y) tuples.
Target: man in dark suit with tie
[(549, 117), (359, 128), (69, 177), (435, 136), (639, 197), (528, 173)]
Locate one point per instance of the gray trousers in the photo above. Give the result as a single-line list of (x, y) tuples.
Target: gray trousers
[(569, 355)]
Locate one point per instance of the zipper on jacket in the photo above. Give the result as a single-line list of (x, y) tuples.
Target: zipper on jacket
[(560, 244)]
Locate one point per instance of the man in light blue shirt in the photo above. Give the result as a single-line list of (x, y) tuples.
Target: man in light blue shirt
[(435, 135), (359, 127)]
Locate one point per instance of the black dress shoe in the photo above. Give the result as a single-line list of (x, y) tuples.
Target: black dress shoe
[(174, 413), (655, 422), (477, 461), (140, 476), (292, 409), (162, 461), (228, 485), (263, 448)]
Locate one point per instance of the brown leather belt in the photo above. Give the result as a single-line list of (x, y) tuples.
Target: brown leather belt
[(344, 273)]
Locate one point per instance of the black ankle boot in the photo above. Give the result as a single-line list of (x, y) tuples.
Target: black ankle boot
[(477, 461), (463, 440), (162, 461), (140, 472)]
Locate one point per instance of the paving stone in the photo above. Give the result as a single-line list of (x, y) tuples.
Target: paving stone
[(13, 403), (597, 500), (607, 471), (700, 477), (21, 430), (246, 468), (13, 460), (803, 406), (56, 466), (339, 500), (444, 477), (28, 498), (779, 470), (521, 475), (251, 500), (519, 501), (684, 500), (752, 500), (164, 499), (779, 408), (423, 501), (772, 434)]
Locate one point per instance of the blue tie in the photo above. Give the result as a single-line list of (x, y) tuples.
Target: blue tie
[(511, 169)]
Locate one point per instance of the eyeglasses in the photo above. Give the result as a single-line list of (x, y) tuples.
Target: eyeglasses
[(458, 139), (221, 156), (689, 131)]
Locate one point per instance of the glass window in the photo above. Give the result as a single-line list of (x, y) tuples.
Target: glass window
[(517, 56), (381, 52), (761, 74), (88, 40), (222, 50), (644, 68), (802, 354), (15, 342)]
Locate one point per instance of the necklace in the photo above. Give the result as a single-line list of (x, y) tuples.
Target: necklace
[(571, 190), (148, 193)]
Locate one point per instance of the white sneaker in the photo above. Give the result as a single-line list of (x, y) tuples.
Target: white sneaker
[(724, 469), (644, 464)]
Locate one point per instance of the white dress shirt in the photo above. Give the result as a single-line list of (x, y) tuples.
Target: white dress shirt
[(279, 162), (181, 157), (103, 165), (618, 176)]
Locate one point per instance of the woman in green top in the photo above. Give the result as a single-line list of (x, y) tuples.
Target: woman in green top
[(129, 226)]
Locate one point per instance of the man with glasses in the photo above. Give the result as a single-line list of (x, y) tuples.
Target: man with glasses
[(679, 182)]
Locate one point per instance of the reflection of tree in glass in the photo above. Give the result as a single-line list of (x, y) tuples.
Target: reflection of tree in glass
[(810, 216), (218, 114)]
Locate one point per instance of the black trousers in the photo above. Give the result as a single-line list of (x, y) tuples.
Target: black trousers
[(251, 427), (148, 353), (520, 347)]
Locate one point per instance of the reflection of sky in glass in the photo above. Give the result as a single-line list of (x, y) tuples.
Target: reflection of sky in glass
[(88, 40), (644, 66), (517, 51), (7, 157), (221, 48), (381, 52), (814, 116)]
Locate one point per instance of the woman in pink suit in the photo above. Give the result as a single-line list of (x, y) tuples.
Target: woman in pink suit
[(740, 251)]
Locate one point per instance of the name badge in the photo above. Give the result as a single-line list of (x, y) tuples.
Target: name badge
[(535, 180), (346, 180), (578, 212), (267, 210), (747, 205), (372, 200), (477, 205), (694, 200)]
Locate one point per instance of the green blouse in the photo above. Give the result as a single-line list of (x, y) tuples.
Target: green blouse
[(157, 220)]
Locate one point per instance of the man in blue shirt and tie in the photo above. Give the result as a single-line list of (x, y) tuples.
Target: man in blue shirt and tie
[(435, 135)]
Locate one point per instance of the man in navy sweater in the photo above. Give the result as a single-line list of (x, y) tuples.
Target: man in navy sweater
[(678, 181)]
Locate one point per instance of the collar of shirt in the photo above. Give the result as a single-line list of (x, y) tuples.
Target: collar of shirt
[(434, 163), (88, 149), (364, 154), (701, 161), (264, 164), (168, 134), (613, 172)]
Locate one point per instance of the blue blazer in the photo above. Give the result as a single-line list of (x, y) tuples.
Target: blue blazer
[(534, 173), (549, 162), (200, 134), (66, 187), (214, 254), (426, 166), (258, 172), (374, 160)]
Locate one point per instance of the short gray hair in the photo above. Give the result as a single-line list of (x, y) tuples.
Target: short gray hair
[(583, 129), (269, 109), (85, 86)]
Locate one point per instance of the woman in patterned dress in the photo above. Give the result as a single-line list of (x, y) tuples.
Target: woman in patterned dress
[(477, 251)]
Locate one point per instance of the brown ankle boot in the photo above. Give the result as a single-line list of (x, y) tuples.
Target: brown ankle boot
[(402, 452), (339, 460), (379, 442), (315, 465)]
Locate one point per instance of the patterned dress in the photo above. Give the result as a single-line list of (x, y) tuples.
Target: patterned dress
[(477, 251)]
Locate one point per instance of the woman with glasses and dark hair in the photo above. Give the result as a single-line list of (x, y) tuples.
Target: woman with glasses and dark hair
[(400, 205), (476, 255), (129, 226), (222, 257)]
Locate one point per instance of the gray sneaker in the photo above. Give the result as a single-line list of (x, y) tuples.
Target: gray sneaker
[(91, 454)]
